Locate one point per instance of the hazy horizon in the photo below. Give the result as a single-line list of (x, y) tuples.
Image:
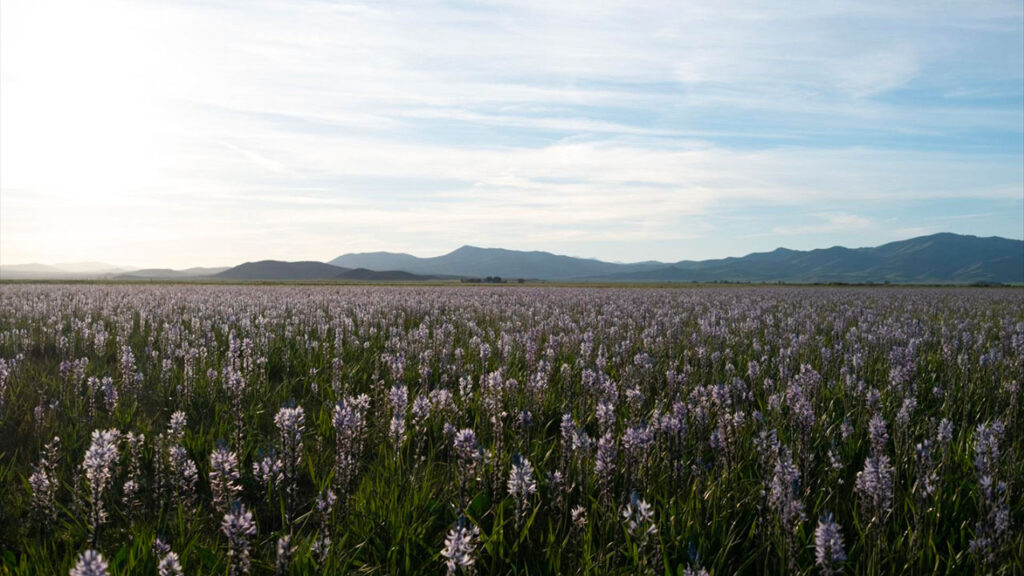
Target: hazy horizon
[(183, 134), (89, 267)]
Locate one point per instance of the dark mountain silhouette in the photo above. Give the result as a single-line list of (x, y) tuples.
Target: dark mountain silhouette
[(380, 276), (482, 262), (939, 258), (379, 261), (278, 270)]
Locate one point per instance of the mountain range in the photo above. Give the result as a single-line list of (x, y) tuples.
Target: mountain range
[(278, 270), (480, 262), (939, 258), (943, 258)]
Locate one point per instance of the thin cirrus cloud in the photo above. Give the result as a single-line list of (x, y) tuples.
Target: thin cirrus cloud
[(186, 133)]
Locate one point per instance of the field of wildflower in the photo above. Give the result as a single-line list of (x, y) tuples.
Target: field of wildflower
[(177, 429)]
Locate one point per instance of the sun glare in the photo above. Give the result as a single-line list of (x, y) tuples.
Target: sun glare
[(81, 112)]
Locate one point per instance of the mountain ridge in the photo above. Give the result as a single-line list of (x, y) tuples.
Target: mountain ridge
[(271, 270), (943, 258), (280, 270), (938, 258), (468, 260)]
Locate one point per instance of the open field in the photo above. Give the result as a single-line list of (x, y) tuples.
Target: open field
[(522, 429)]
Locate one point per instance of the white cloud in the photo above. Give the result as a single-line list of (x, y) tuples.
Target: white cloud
[(158, 131), (874, 73), (828, 223)]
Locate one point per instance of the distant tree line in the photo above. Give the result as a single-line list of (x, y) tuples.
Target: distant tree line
[(490, 280)]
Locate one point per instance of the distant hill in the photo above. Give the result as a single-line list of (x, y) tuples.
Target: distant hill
[(22, 271), (936, 259), (278, 270), (379, 261), (380, 276), (482, 262), (169, 274), (65, 271), (939, 258)]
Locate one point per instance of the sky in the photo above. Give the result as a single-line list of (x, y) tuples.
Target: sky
[(204, 133)]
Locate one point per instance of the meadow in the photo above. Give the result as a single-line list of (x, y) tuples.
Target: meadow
[(176, 429)]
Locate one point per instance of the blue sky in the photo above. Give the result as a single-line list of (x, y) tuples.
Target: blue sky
[(210, 133)]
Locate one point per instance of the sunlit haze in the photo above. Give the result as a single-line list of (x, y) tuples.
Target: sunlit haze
[(181, 134)]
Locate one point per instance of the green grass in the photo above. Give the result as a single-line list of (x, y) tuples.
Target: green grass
[(709, 504)]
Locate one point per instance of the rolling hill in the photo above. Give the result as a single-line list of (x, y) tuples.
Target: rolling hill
[(936, 259), (363, 274), (278, 270), (169, 274), (64, 271), (939, 258), (481, 262), (272, 270)]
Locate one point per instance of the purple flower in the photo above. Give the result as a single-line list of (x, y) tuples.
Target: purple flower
[(459, 546), (877, 433), (399, 396), (110, 394), (284, 555), (176, 426), (160, 548), (127, 366), (579, 517), (945, 432), (993, 527), (467, 449), (321, 548), (90, 563), (239, 527), (185, 474), (986, 447), (801, 411), (291, 424), (637, 440), (399, 402), (420, 410), (349, 419), (906, 411), (131, 488), (604, 462), (98, 466), (223, 478), (521, 485), (874, 485), (170, 565), (268, 470), (783, 492), (44, 482), (828, 545), (638, 516), (927, 478)]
